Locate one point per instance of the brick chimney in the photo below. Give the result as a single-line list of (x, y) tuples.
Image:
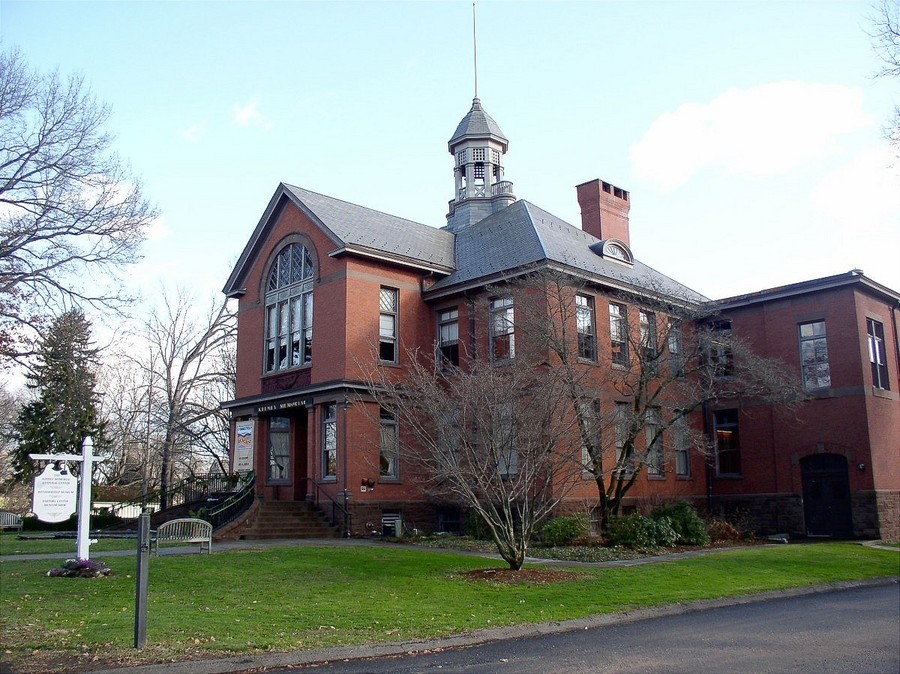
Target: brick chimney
[(604, 210)]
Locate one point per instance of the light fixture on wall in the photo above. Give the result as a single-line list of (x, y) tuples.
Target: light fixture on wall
[(862, 467)]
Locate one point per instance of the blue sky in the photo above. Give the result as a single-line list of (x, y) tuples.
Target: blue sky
[(748, 133)]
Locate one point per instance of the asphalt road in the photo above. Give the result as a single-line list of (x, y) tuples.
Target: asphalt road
[(856, 630)]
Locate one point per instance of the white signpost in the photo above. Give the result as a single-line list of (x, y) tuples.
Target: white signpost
[(51, 497)]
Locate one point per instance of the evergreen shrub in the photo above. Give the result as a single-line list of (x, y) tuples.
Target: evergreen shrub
[(688, 525), (565, 530), (637, 532)]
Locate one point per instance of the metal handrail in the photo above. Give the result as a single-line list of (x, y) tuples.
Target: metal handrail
[(340, 515), (188, 490), (234, 506)]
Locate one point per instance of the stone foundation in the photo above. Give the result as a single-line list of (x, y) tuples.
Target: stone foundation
[(763, 514), (888, 513)]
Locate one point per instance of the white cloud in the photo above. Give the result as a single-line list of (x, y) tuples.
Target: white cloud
[(248, 115), (158, 229), (863, 193), (194, 132), (769, 129)]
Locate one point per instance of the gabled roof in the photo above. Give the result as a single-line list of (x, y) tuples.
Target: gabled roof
[(355, 230), (523, 235), (477, 124)]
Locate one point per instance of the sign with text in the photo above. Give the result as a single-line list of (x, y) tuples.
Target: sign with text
[(55, 494), (243, 446)]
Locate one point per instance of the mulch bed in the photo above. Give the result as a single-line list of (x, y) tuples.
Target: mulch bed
[(508, 576)]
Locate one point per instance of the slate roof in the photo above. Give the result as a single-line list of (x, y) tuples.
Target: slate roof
[(518, 236), (523, 234), (361, 229), (477, 123), (353, 229)]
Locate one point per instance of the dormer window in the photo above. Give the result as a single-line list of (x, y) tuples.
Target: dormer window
[(613, 249), (289, 309)]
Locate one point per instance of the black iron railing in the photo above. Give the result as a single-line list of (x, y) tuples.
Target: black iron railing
[(232, 507), (340, 514), (197, 488)]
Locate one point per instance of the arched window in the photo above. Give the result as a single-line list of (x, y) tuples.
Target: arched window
[(289, 309)]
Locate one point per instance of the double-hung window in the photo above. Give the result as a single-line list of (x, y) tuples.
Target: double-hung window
[(389, 456), (448, 338), (877, 354), (618, 333), (728, 442), (289, 309), (387, 325), (586, 328), (502, 329), (647, 321), (653, 430), (675, 340), (682, 445), (814, 356), (720, 352), (329, 441), (624, 449)]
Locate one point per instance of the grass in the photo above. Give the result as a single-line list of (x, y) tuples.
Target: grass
[(10, 544), (288, 598)]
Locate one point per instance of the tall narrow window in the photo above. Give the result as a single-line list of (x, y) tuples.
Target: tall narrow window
[(506, 456), (586, 328), (720, 353), (329, 441), (502, 329), (624, 450), (814, 356), (682, 446), (289, 315), (728, 442), (279, 449), (448, 338), (387, 325), (648, 335), (589, 417), (653, 431), (618, 333), (675, 341), (877, 354), (390, 452)]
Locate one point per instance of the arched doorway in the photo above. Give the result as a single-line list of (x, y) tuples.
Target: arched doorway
[(826, 496)]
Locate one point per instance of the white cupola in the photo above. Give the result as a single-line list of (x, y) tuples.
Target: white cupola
[(478, 146)]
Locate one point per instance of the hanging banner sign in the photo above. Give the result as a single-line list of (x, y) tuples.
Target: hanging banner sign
[(243, 447), (55, 494)]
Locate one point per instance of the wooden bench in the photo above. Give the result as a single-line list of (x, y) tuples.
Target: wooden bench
[(10, 521), (185, 530)]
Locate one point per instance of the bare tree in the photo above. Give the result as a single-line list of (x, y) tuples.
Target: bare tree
[(885, 35), (670, 358), (188, 365), (493, 437), (69, 211)]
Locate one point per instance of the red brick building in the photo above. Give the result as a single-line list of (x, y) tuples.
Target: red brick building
[(327, 288)]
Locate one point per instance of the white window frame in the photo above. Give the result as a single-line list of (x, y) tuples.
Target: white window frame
[(877, 354), (388, 324), (289, 310), (502, 328), (389, 447), (586, 327)]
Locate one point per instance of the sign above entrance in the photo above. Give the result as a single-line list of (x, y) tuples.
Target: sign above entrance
[(276, 407), (55, 494)]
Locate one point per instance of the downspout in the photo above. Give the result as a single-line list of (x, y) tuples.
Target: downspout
[(709, 476), (896, 342)]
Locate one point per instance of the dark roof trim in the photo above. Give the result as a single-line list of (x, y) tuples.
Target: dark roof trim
[(293, 394), (853, 277), (362, 251)]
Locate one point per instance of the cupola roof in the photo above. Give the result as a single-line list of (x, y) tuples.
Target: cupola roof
[(478, 124)]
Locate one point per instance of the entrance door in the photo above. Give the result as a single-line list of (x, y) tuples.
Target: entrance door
[(826, 496), (300, 457)]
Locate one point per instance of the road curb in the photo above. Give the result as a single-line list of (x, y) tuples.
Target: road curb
[(246, 663)]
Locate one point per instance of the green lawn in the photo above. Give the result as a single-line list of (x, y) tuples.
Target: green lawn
[(286, 598), (10, 544)]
